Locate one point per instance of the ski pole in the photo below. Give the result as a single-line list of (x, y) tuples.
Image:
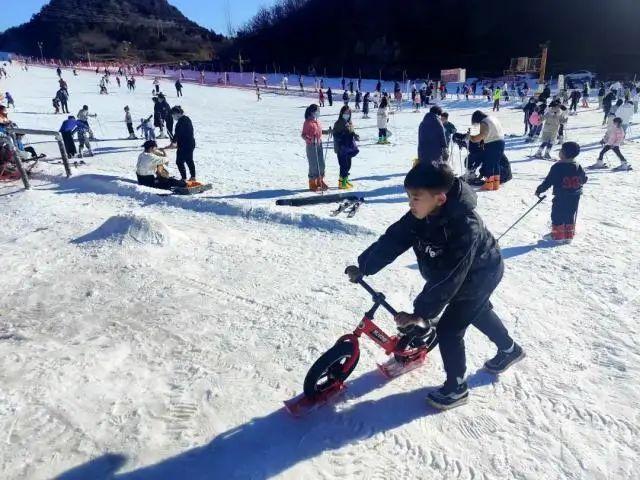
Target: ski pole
[(540, 200)]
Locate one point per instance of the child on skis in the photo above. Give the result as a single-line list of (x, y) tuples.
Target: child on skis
[(129, 121), (383, 120), (345, 146), (83, 138), (613, 139), (462, 264), (148, 131), (312, 134), (535, 121), (552, 121), (567, 178)]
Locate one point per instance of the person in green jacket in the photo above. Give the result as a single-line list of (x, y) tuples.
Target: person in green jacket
[(497, 96)]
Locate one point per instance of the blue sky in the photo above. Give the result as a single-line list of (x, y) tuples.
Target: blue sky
[(208, 13)]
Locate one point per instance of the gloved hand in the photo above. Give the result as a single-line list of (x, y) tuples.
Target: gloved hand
[(403, 319), (354, 273), (538, 192)]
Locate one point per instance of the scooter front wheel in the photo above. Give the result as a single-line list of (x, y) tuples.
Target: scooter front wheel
[(333, 367)]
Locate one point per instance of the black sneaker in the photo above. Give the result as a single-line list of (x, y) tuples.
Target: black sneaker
[(504, 360), (450, 395), (416, 336)]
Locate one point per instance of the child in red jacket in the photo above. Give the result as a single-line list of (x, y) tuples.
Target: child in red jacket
[(312, 135)]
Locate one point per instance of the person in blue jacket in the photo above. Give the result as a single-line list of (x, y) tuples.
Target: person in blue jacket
[(432, 143), (67, 129)]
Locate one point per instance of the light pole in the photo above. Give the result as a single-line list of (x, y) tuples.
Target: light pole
[(40, 45)]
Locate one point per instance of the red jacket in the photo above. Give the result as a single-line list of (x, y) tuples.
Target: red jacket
[(312, 131)]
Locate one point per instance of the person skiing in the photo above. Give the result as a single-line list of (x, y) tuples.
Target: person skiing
[(585, 95), (382, 121), (567, 178), (462, 265), (535, 121), (449, 130), (185, 142), (151, 168), (431, 137), (63, 97), (345, 98), (165, 112), (607, 104), (83, 138), (575, 98), (358, 100), (56, 104), (365, 105), (158, 117), (345, 146), (148, 132), (9, 99), (67, 129), (625, 113), (492, 134), (601, 93), (312, 135), (528, 110), (497, 96), (129, 121), (321, 97), (83, 117), (612, 141), (118, 82), (552, 120), (178, 88), (330, 96)]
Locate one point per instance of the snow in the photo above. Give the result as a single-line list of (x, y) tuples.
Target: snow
[(150, 337)]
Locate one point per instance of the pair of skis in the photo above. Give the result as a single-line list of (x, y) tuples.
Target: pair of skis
[(350, 207)]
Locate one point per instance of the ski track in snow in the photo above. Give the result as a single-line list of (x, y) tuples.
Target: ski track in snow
[(125, 360)]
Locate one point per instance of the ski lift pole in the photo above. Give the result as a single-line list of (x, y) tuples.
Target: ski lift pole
[(540, 200)]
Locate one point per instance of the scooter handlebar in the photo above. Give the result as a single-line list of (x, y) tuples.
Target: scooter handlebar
[(377, 297)]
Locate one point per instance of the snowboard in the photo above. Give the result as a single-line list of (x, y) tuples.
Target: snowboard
[(191, 190)]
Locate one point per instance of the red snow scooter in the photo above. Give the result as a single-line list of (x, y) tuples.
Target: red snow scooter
[(327, 375)]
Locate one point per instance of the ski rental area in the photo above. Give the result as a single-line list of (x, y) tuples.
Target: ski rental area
[(148, 335)]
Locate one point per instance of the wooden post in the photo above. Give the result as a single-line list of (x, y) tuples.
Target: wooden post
[(63, 155), (543, 62)]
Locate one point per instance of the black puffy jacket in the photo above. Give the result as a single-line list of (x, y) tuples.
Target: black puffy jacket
[(455, 251), (431, 139)]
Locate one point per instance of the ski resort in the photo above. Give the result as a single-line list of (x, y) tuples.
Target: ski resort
[(215, 273)]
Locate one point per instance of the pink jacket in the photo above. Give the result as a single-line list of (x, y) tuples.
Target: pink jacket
[(535, 119), (614, 136), (312, 131)]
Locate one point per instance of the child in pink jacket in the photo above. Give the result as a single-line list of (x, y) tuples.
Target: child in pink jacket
[(312, 135), (535, 120), (612, 141)]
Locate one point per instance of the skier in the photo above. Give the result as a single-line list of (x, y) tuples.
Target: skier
[(330, 96), (497, 96), (607, 104), (312, 135), (343, 82), (575, 98), (151, 168), (56, 104), (365, 105), (63, 97), (382, 121), (601, 93), (10, 101), (535, 121), (351, 86), (83, 138), (158, 117), (165, 112), (528, 110), (345, 98), (358, 100), (321, 97), (259, 97), (462, 264), (431, 137), (585, 96), (285, 83), (59, 72), (492, 134), (83, 116), (345, 146), (567, 178), (129, 121), (118, 81), (67, 129), (301, 83), (624, 112), (552, 121), (564, 119), (449, 130), (184, 141), (148, 132), (178, 88), (612, 141)]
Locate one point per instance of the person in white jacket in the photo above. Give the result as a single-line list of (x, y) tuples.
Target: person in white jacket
[(383, 119), (625, 112), (151, 168)]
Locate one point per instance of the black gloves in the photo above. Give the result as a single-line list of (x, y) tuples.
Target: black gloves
[(354, 273)]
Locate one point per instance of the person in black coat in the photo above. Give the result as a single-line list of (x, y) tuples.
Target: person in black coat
[(462, 265), (165, 112), (178, 88), (528, 109), (432, 143), (330, 96), (607, 103), (185, 142)]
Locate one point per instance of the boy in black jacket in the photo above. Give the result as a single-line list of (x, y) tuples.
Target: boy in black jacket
[(462, 264), (567, 178)]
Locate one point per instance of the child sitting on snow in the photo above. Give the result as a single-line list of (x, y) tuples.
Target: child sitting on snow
[(612, 141), (567, 178)]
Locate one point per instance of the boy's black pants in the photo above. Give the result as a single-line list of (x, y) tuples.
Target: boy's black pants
[(563, 209), (185, 156), (461, 313)]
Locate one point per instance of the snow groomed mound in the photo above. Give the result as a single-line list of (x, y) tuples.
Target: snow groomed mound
[(131, 229)]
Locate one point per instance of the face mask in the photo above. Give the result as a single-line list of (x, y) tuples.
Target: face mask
[(314, 115), (346, 117), (175, 117)]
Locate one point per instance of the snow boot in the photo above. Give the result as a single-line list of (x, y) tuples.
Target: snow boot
[(321, 185), (450, 395), (623, 167), (491, 183), (349, 184), (538, 154), (313, 184), (599, 165), (343, 184), (547, 155), (505, 358)]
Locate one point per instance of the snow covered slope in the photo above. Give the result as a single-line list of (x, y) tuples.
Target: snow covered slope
[(149, 337)]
